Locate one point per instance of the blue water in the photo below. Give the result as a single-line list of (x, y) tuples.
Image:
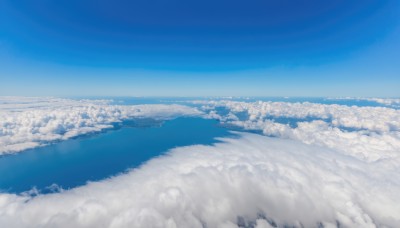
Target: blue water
[(73, 162)]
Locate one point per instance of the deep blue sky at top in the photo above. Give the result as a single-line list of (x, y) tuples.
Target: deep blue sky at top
[(208, 47)]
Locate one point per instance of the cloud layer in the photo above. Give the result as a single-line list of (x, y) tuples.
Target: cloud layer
[(251, 180), (31, 122), (326, 166), (390, 102), (368, 133)]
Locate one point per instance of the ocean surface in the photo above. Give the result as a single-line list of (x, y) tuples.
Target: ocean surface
[(74, 162)]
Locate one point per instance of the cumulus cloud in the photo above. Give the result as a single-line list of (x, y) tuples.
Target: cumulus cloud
[(251, 180), (29, 122), (368, 133)]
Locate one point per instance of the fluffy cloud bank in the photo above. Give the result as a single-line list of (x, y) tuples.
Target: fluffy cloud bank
[(30, 122), (251, 181), (367, 133)]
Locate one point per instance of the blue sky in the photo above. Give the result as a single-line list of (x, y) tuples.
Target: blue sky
[(200, 48)]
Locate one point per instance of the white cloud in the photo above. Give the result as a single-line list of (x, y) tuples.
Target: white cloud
[(374, 135), (391, 102), (30, 122), (380, 119), (253, 180)]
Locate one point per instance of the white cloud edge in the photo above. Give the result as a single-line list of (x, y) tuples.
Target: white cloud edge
[(30, 122)]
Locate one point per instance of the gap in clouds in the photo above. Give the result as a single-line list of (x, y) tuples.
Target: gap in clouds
[(74, 162)]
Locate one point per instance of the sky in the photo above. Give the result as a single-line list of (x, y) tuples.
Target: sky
[(200, 48)]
